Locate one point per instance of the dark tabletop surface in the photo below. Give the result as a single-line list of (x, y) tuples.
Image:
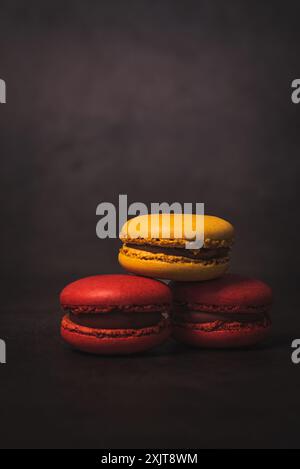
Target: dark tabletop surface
[(172, 397), (162, 101)]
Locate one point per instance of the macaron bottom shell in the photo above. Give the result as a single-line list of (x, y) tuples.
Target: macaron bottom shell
[(113, 342), (236, 338), (179, 271)]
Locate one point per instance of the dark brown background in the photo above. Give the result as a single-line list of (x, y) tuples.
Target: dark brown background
[(163, 101)]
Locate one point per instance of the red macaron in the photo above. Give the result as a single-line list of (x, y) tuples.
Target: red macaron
[(115, 314), (228, 312)]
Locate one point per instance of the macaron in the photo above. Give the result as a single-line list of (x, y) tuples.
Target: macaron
[(229, 312), (115, 314), (152, 246)]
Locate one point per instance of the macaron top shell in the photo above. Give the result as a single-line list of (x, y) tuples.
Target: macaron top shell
[(232, 293), (104, 293), (163, 229)]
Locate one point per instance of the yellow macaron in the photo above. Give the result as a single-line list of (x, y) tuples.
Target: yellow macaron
[(157, 246)]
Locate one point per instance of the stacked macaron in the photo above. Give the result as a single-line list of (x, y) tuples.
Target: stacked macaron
[(231, 311), (158, 246), (121, 314), (115, 314)]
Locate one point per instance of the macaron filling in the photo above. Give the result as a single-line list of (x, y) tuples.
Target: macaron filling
[(118, 319), (221, 320), (111, 333), (192, 255)]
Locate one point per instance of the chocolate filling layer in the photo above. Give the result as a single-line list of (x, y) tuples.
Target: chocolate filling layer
[(117, 320), (216, 321), (203, 317), (204, 253)]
